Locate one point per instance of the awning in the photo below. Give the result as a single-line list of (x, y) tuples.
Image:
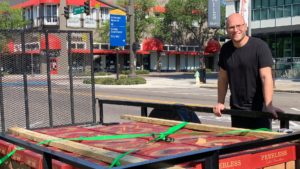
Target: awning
[(152, 44), (54, 42), (213, 46), (29, 3), (158, 9)]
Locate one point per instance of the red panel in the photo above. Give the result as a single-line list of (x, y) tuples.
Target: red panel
[(152, 44), (54, 42), (50, 1), (6, 147), (69, 132), (131, 128), (33, 159), (213, 46), (273, 157), (161, 149)]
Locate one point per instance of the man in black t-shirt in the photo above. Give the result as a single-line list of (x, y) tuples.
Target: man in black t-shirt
[(245, 66)]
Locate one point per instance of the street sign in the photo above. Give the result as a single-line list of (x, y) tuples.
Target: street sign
[(78, 10), (117, 30)]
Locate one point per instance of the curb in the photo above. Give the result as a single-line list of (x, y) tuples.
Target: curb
[(275, 90)]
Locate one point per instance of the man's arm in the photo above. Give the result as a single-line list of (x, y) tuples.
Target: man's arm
[(267, 85), (222, 90)]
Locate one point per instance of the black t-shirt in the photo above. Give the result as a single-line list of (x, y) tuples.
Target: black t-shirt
[(242, 66)]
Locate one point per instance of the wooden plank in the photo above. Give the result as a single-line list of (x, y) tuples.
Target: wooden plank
[(197, 126), (71, 146), (290, 165)]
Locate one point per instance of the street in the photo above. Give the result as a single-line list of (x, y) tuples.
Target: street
[(171, 89)]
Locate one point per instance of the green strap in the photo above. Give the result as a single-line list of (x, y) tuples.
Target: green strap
[(243, 132), (161, 136), (3, 159)]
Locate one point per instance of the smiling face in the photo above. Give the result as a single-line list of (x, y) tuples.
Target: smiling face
[(236, 29)]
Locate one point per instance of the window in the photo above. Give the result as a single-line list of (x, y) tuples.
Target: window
[(50, 14), (272, 13), (280, 2), (265, 3), (257, 4), (296, 44), (297, 1), (237, 6), (288, 2), (256, 14), (287, 11), (296, 10), (279, 12), (272, 3), (264, 14), (104, 14)]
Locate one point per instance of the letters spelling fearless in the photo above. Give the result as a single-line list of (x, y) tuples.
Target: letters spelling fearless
[(273, 155)]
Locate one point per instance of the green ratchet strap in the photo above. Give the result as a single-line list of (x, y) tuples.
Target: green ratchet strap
[(243, 132), (160, 136), (163, 136), (3, 159)]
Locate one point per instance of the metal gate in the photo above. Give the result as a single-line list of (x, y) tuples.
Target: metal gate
[(42, 77)]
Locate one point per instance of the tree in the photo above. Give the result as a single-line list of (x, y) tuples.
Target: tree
[(11, 18), (187, 22)]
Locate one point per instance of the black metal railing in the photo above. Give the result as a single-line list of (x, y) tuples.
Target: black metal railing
[(284, 118)]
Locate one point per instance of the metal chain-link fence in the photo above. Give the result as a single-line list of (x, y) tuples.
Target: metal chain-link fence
[(41, 79)]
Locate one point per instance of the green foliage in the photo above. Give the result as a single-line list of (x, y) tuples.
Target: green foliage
[(138, 72), (123, 80), (11, 18), (185, 17)]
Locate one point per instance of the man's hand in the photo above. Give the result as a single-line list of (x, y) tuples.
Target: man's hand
[(218, 108), (274, 110)]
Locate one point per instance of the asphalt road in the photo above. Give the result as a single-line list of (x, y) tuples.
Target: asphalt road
[(14, 103)]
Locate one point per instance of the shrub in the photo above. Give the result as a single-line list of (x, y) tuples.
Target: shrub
[(138, 72), (123, 80)]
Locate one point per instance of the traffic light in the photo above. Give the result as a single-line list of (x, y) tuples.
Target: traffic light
[(87, 8), (67, 12)]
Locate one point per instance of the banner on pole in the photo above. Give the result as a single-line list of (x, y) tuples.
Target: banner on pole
[(214, 17), (244, 10)]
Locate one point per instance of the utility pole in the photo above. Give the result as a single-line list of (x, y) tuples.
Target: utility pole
[(130, 13), (132, 38)]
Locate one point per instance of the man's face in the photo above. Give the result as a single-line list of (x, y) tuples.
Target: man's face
[(236, 28)]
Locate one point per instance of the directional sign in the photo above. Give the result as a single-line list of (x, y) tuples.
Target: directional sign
[(78, 10), (117, 30)]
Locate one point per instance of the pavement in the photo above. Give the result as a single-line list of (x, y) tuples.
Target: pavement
[(187, 80)]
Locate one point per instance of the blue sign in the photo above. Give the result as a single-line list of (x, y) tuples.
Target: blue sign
[(117, 30)]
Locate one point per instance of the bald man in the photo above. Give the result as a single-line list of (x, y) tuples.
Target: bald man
[(245, 66)]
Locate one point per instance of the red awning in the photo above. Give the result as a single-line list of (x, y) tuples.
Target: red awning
[(142, 52), (158, 9), (29, 3), (11, 47), (152, 44), (54, 42), (213, 46)]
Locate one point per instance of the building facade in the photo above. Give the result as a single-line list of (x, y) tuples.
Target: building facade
[(278, 23), (152, 54)]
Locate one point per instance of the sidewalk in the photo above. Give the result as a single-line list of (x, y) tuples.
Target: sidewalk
[(281, 85)]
